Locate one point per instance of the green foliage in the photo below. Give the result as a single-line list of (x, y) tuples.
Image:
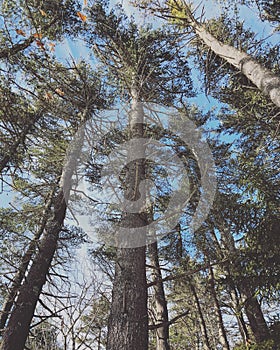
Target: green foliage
[(266, 345)]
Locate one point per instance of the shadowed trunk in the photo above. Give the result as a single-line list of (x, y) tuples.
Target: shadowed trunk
[(254, 314), (160, 304)]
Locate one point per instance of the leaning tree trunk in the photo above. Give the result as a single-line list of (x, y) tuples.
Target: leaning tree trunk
[(263, 78), (128, 320), (21, 271), (160, 304), (18, 326)]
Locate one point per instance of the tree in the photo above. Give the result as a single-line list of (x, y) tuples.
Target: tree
[(263, 78), (137, 59)]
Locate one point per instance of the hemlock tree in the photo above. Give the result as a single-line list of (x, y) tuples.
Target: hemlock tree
[(142, 63)]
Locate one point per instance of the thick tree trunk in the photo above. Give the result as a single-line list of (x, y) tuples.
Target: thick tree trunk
[(25, 261), (254, 314), (128, 320), (17, 329), (160, 304), (263, 78)]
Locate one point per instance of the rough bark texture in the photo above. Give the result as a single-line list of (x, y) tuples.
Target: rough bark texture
[(160, 308), (128, 321)]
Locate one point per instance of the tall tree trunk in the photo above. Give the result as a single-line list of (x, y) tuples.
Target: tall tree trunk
[(205, 341), (128, 320), (263, 78), (221, 328), (17, 329), (161, 311), (25, 261)]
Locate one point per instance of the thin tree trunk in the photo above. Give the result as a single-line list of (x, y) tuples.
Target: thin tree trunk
[(252, 307), (206, 342), (161, 311), (128, 320), (17, 329), (25, 261), (239, 315), (263, 78), (221, 328)]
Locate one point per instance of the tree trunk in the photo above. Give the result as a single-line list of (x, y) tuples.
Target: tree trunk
[(25, 261), (239, 315), (161, 311), (205, 341), (128, 320), (252, 307), (254, 314), (221, 328), (263, 78), (17, 330)]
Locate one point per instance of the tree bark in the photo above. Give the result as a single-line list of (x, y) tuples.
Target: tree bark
[(254, 314), (253, 310), (221, 328), (161, 311), (128, 320), (206, 342), (17, 329), (25, 261), (265, 80)]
